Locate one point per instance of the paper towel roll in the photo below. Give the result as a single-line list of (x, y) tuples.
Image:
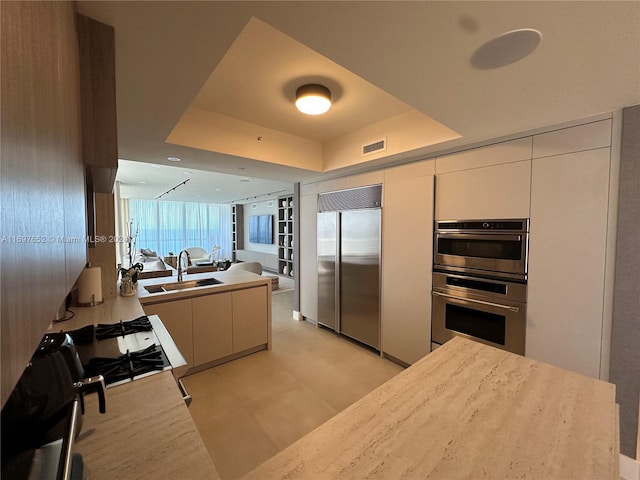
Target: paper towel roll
[(90, 287)]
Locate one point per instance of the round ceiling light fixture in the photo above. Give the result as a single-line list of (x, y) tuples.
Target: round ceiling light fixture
[(313, 99)]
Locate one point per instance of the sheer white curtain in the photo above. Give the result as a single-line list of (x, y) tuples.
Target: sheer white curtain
[(173, 226), (122, 226)]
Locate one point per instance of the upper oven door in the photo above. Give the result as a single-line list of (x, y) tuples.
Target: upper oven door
[(490, 252)]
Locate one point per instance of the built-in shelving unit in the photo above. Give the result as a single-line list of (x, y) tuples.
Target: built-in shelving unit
[(237, 229), (285, 236)]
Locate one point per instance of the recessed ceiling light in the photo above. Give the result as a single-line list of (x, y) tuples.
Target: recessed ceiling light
[(174, 159), (141, 181), (506, 48), (218, 189)]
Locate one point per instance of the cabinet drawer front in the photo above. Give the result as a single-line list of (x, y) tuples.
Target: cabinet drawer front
[(176, 316)]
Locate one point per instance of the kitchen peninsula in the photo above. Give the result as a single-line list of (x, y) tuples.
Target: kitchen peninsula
[(465, 411)]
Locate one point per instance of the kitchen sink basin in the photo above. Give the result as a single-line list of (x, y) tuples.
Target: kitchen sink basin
[(169, 287)]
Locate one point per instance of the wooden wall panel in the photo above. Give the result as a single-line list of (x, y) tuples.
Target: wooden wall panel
[(40, 122), (104, 253)]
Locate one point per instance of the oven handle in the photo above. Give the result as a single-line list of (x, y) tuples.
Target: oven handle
[(183, 390), (490, 304), (481, 236)]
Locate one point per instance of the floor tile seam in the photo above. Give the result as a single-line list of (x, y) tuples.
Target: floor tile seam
[(325, 404), (244, 401), (201, 427)]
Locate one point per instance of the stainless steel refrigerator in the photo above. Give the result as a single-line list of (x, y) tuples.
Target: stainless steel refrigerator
[(349, 273)]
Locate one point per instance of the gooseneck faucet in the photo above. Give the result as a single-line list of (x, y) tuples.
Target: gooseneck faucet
[(180, 270)]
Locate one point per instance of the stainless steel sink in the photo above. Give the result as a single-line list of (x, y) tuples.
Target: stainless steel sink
[(169, 287)]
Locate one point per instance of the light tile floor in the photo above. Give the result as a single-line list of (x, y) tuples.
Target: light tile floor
[(250, 409)]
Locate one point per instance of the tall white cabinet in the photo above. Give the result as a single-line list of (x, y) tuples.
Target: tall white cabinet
[(568, 248), (308, 266), (407, 244)]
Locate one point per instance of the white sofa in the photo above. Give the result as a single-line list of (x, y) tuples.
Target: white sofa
[(253, 267), (152, 265)]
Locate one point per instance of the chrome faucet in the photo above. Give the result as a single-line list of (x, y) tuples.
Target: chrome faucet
[(180, 270)]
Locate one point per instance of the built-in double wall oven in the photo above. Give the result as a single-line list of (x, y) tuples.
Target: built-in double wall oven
[(480, 282)]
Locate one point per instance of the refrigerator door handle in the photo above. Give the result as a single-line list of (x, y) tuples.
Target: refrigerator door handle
[(338, 220)]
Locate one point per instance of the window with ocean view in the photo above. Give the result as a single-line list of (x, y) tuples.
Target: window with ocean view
[(165, 227)]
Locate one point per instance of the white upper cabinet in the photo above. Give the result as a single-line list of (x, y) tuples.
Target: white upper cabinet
[(499, 191), (496, 154), (575, 139), (352, 181), (407, 243)]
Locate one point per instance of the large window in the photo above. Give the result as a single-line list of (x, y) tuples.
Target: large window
[(173, 226)]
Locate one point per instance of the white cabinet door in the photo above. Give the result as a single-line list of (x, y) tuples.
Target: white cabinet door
[(250, 318), (308, 266), (499, 191), (176, 316), (569, 201), (407, 239), (212, 327)]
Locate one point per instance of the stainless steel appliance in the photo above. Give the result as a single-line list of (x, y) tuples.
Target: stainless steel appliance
[(42, 417), (349, 263), (125, 351), (495, 248), (488, 311)]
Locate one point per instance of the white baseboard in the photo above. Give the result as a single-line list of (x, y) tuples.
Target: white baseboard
[(629, 468)]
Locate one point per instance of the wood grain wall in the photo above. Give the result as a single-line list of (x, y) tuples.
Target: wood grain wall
[(42, 175)]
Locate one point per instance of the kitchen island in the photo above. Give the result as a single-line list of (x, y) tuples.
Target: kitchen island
[(465, 411), (213, 317)]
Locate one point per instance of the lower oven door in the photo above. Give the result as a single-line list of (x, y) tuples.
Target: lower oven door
[(502, 325)]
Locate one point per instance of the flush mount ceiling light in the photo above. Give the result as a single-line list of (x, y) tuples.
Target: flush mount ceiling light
[(313, 99), (506, 48), (174, 159)]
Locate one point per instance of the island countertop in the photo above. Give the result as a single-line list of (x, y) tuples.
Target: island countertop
[(465, 411), (231, 280)]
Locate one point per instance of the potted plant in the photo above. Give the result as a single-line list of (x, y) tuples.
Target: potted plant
[(129, 278)]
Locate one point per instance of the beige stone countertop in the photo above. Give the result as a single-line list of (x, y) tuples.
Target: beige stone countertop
[(231, 280), (111, 311), (147, 431), (465, 411)]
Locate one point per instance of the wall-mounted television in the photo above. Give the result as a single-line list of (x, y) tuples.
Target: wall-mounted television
[(261, 229)]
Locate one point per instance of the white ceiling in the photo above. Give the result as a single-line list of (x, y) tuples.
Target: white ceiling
[(396, 56)]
